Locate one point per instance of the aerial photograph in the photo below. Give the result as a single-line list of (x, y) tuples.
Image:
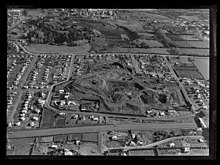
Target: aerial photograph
[(108, 82)]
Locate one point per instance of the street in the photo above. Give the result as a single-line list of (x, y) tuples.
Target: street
[(180, 84), (87, 129)]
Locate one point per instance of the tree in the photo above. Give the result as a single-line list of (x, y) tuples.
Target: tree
[(144, 45), (205, 134), (25, 13)]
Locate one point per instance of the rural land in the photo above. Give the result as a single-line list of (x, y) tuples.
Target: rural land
[(107, 82)]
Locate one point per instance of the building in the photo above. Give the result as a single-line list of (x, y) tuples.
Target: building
[(124, 37)]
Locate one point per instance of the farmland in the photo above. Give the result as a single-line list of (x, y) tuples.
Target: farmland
[(190, 74)]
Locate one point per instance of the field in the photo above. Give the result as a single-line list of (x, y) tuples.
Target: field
[(151, 50), (150, 15), (45, 139), (42, 48), (190, 18), (151, 43), (204, 52), (22, 146), (188, 37), (60, 138), (189, 74), (203, 66), (60, 122), (48, 118), (90, 137), (199, 152), (74, 136), (117, 50), (197, 44), (146, 35), (141, 153)]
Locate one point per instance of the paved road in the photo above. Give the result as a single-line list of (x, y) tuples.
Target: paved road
[(57, 131)]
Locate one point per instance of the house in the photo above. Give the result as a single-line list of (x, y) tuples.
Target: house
[(201, 140), (124, 37), (18, 123), (162, 114), (172, 144), (61, 91), (53, 146), (114, 137)]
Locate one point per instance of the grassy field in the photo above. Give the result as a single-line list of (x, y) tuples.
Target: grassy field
[(151, 50), (60, 138), (141, 153), (90, 137), (151, 43), (22, 146), (48, 118), (42, 48), (190, 74), (197, 44), (188, 37), (203, 52), (60, 122)]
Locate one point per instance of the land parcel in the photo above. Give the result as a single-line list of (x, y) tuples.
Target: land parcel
[(90, 137)]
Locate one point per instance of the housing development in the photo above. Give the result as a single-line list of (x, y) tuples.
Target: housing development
[(108, 82)]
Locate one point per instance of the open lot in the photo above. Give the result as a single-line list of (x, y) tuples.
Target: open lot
[(22, 146), (48, 118), (90, 137)]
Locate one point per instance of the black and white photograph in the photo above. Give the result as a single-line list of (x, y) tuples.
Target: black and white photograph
[(105, 82)]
